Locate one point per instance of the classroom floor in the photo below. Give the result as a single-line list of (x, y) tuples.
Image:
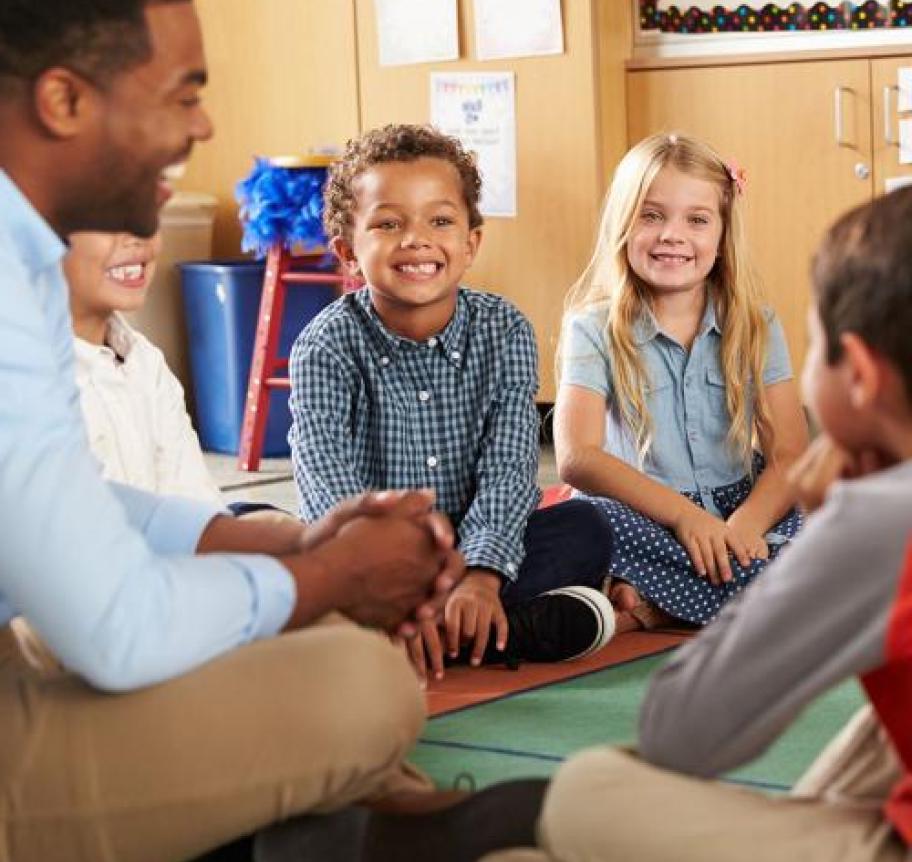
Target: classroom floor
[(530, 733)]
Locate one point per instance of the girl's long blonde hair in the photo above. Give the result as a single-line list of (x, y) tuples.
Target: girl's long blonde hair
[(608, 279)]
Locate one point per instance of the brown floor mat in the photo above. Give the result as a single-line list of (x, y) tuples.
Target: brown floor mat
[(465, 686)]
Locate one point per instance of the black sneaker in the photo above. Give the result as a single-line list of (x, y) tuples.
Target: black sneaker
[(497, 818), (560, 625)]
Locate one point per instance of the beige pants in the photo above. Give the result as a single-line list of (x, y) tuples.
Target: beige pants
[(304, 722), (605, 804)]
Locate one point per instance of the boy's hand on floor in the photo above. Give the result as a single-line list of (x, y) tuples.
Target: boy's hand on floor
[(425, 648), (470, 612)]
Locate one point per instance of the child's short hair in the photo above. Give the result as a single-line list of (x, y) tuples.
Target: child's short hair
[(862, 277), (394, 143)]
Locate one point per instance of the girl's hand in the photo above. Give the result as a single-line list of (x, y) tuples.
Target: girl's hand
[(471, 610), (708, 540), (750, 534)]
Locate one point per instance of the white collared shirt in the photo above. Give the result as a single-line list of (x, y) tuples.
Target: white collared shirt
[(136, 417)]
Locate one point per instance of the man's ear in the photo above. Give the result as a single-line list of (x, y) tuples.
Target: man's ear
[(864, 368), (62, 101), (342, 249)]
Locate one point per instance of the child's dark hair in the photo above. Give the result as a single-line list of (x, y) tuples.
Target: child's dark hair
[(394, 143), (863, 280), (96, 38)]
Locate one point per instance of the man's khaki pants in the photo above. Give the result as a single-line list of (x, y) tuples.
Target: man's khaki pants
[(606, 804), (304, 722)]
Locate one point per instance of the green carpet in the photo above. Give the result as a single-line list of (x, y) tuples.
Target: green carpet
[(529, 734)]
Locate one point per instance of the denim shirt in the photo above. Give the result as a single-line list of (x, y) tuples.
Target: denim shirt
[(685, 398)]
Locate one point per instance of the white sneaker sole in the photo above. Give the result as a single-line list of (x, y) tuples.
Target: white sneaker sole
[(601, 608)]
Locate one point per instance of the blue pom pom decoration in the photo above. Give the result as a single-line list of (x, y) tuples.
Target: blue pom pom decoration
[(281, 205)]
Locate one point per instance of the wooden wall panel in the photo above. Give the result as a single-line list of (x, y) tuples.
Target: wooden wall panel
[(283, 78)]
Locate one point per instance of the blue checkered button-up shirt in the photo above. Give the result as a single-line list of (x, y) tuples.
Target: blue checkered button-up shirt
[(455, 413)]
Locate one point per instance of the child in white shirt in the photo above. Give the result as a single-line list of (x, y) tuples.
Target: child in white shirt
[(133, 405)]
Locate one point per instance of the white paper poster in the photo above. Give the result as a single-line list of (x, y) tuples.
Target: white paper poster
[(891, 184), (904, 83), (517, 28), (480, 110), (417, 31), (905, 142)]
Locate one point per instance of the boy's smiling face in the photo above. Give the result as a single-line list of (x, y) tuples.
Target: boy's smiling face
[(411, 242)]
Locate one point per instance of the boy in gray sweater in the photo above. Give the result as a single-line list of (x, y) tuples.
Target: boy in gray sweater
[(838, 604)]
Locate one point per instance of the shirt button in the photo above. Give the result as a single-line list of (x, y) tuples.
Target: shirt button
[(431, 461), (424, 395), (432, 342), (455, 356), (384, 360)]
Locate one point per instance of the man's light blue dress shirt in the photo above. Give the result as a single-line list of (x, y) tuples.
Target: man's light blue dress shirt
[(103, 572)]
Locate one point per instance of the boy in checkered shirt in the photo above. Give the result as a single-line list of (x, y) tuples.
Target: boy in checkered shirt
[(416, 381)]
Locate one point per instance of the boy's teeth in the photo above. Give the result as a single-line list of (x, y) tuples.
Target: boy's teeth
[(126, 273), (422, 268)]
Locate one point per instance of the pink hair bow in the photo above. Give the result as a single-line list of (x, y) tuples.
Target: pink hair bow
[(737, 174)]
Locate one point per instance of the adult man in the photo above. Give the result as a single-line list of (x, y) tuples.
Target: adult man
[(97, 98)]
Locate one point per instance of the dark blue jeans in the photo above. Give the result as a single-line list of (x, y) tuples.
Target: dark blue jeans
[(566, 545)]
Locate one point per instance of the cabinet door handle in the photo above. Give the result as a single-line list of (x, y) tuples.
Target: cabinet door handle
[(838, 118), (889, 140)]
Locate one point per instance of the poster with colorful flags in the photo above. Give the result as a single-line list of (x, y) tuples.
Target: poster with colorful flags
[(479, 108)]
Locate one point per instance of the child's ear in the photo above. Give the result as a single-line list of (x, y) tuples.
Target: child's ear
[(342, 249), (865, 374), (472, 244)]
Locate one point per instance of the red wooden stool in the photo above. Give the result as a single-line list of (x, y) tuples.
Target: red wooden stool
[(282, 269)]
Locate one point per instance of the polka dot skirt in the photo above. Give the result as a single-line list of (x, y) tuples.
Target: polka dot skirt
[(648, 556)]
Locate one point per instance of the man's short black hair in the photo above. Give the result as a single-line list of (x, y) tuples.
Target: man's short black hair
[(95, 38), (863, 280)]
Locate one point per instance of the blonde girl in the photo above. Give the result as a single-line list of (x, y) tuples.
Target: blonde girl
[(673, 375)]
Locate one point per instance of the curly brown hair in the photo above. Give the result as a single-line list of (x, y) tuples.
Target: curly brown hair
[(394, 143)]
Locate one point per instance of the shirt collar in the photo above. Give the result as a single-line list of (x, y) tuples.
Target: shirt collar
[(645, 328), (118, 342), (451, 340), (33, 239)]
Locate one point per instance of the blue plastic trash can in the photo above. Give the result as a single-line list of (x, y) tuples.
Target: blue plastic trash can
[(222, 303)]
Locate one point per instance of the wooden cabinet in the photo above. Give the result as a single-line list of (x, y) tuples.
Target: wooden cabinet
[(810, 135)]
